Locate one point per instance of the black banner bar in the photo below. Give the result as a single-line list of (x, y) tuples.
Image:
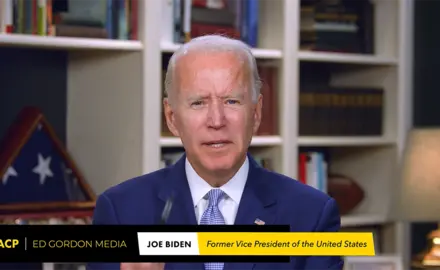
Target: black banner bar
[(107, 243)]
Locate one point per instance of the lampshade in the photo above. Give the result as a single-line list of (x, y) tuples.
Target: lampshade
[(417, 194)]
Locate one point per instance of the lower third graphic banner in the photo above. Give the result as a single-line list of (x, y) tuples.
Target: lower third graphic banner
[(83, 243)]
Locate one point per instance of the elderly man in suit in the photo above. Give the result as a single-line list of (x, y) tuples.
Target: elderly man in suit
[(214, 105)]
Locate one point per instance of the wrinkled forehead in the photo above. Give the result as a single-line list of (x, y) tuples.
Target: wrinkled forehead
[(205, 54), (212, 69)]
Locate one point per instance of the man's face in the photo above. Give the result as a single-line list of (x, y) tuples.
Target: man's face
[(212, 110)]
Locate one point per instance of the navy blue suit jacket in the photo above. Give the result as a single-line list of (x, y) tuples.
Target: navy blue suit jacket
[(271, 197)]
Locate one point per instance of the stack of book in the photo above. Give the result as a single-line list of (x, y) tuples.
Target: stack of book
[(233, 18), (107, 19), (337, 26)]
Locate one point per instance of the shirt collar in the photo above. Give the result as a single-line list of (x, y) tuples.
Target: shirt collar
[(233, 188)]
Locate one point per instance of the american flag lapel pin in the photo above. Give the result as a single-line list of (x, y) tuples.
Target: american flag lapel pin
[(259, 222)]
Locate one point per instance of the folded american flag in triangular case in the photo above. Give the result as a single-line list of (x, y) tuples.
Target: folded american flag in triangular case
[(37, 172)]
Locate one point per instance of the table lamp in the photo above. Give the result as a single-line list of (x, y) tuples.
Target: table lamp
[(418, 194)]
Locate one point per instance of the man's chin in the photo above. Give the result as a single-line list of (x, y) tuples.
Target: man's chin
[(219, 164)]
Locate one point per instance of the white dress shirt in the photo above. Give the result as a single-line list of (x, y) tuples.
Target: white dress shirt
[(233, 190)]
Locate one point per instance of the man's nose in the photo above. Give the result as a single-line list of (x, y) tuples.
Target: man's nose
[(216, 115)]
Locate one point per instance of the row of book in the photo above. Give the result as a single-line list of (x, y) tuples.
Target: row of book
[(337, 26), (108, 19), (339, 111), (324, 26), (344, 26), (193, 18), (313, 170)]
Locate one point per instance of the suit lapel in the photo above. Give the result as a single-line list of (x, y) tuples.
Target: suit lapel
[(257, 202), (176, 186), (182, 211)]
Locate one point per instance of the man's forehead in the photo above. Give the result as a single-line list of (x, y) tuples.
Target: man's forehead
[(203, 59), (218, 79), (222, 73), (210, 66)]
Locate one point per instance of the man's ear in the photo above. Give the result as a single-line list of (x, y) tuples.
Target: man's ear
[(257, 113), (170, 117)]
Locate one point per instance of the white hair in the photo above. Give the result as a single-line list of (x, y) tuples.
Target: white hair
[(216, 43)]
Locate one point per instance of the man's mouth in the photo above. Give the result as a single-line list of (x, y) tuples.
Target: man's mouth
[(217, 144)]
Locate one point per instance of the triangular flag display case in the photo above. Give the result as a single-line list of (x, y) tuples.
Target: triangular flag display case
[(39, 180)]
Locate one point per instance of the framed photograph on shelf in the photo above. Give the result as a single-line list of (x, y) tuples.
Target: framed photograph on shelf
[(374, 263)]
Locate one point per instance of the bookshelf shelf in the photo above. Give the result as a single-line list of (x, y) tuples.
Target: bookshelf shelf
[(256, 141), (362, 220), (67, 43), (258, 53), (344, 141), (345, 58)]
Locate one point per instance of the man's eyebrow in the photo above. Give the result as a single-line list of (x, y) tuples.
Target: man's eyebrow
[(195, 97), (234, 95)]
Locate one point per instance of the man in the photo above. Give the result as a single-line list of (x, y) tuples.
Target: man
[(214, 106)]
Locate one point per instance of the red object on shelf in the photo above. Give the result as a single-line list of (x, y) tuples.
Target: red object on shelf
[(346, 192)]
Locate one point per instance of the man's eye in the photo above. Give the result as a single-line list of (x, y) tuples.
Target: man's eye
[(232, 101), (196, 103)]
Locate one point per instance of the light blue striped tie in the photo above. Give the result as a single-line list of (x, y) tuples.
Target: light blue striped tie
[(213, 216)]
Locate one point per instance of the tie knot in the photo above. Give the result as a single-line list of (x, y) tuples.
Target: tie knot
[(215, 195)]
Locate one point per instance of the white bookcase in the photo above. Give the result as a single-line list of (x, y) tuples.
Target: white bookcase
[(114, 101)]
